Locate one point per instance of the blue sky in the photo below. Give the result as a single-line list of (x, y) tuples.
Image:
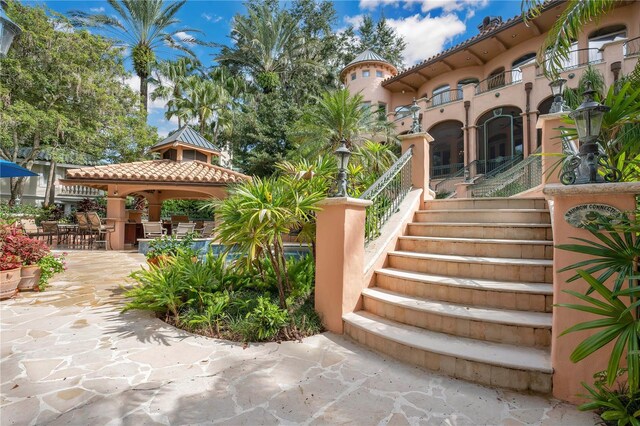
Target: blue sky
[(429, 26)]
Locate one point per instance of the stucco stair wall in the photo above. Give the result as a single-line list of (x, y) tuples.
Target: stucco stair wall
[(467, 293)]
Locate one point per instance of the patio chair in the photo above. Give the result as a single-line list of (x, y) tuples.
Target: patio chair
[(183, 229), (84, 228), (207, 229), (101, 228), (50, 230), (30, 228), (153, 229)]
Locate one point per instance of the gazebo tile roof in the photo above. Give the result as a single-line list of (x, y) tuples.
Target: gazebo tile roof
[(159, 171)]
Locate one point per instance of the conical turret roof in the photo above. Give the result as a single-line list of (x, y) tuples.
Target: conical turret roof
[(368, 56)]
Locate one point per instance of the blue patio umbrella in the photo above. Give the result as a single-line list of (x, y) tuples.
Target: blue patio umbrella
[(9, 170)]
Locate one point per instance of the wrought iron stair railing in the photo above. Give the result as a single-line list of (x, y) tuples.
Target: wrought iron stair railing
[(525, 175), (387, 193)]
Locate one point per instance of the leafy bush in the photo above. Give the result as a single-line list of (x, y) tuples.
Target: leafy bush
[(14, 241), (8, 262), (215, 298), (169, 245), (50, 265), (617, 406)]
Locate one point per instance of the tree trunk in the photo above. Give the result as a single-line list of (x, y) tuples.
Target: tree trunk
[(144, 86), (16, 186), (50, 192)]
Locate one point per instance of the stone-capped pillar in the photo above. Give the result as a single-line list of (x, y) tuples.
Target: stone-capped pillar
[(339, 259), (117, 213), (551, 144), (420, 161), (567, 376)]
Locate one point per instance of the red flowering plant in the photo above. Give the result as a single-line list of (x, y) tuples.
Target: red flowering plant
[(8, 262), (15, 242)]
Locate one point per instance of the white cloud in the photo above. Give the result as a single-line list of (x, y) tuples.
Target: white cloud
[(426, 5), (355, 21), (211, 18), (182, 36), (426, 35), (97, 9)]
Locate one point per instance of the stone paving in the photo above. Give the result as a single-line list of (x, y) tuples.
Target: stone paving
[(68, 356)]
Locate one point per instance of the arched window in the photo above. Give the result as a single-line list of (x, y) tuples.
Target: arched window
[(543, 108), (499, 137), (447, 149), (606, 35), (464, 82), (441, 95), (516, 72), (402, 111)]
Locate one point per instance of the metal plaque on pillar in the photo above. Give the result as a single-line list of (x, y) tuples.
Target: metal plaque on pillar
[(583, 215)]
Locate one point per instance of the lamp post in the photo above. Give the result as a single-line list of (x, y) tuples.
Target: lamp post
[(557, 89), (583, 166), (342, 156), (8, 30), (415, 124)]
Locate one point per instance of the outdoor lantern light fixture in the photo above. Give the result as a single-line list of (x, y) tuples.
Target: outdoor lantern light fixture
[(8, 30), (342, 156), (583, 166), (557, 89), (415, 115)]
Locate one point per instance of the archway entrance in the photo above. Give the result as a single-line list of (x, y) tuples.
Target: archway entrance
[(500, 138), (447, 150)]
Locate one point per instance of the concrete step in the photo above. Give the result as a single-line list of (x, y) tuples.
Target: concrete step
[(534, 249), (491, 215), (495, 268), (486, 203), (536, 297), (489, 324), (515, 231), (493, 364)]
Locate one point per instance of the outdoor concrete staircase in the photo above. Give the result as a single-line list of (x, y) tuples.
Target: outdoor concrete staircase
[(467, 293)]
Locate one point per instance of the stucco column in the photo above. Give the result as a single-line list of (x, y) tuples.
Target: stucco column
[(420, 161), (154, 212), (567, 376), (551, 144), (339, 259), (612, 52), (117, 213)]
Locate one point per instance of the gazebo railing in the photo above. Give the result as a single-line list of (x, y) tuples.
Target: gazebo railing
[(387, 193)]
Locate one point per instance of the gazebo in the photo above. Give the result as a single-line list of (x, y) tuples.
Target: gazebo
[(184, 172)]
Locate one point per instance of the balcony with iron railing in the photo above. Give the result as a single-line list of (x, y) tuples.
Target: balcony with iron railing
[(78, 191), (445, 97), (577, 58), (631, 47), (505, 78)]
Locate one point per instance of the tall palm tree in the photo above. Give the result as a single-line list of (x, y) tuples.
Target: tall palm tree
[(170, 78), (335, 116), (266, 43), (145, 27)]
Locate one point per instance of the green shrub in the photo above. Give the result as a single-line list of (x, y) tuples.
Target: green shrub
[(266, 320), (169, 245)]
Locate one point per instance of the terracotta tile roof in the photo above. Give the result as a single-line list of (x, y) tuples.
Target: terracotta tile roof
[(159, 171), (468, 42)]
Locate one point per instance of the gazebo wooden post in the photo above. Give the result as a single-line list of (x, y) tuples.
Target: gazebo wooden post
[(154, 212), (117, 213)]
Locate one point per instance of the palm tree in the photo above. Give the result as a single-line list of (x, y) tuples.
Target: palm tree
[(266, 43), (170, 78), (144, 27), (567, 28), (335, 116)]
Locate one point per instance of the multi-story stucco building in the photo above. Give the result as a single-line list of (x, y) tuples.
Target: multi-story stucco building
[(480, 99)]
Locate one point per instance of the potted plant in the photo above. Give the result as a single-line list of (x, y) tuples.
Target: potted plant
[(167, 247), (10, 266), (30, 250)]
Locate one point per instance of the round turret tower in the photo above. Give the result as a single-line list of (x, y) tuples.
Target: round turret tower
[(364, 74)]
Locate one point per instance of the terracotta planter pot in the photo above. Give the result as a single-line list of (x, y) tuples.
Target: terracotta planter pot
[(29, 277), (9, 283)]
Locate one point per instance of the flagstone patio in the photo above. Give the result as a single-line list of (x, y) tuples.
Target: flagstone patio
[(68, 356)]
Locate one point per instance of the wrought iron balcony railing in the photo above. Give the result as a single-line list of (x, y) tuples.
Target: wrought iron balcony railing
[(387, 193), (438, 172), (505, 78), (576, 58), (631, 47), (445, 97)]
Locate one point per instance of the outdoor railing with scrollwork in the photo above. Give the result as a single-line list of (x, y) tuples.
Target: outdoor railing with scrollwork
[(631, 47), (445, 97), (387, 193), (518, 178), (575, 58), (505, 78)]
